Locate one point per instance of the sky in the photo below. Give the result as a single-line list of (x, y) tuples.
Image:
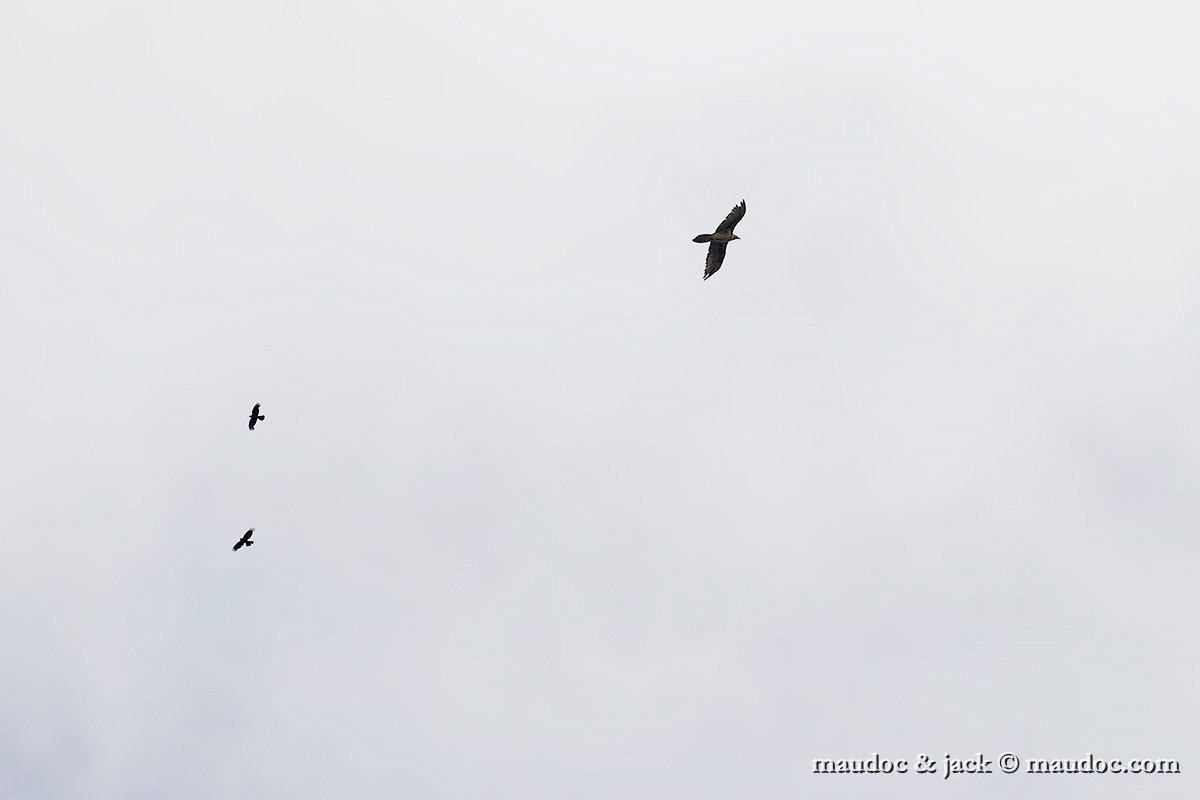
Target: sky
[(541, 514)]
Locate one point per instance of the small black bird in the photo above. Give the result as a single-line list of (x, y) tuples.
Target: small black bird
[(255, 416), (719, 239), (245, 540)]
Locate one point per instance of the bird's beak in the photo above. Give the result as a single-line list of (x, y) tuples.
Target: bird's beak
[(736, 236)]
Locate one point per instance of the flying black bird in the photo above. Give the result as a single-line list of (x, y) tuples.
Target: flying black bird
[(255, 416), (245, 540), (719, 239)]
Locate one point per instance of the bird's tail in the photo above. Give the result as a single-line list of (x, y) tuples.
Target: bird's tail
[(262, 417), (248, 543), (702, 238)]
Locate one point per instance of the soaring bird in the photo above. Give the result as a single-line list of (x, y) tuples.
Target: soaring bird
[(718, 239), (255, 416), (245, 540)]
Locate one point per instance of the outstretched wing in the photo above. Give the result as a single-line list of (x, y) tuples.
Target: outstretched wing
[(239, 544), (716, 254), (733, 219)]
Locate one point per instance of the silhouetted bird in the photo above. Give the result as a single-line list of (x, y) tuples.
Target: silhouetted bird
[(245, 540), (718, 239), (255, 416)]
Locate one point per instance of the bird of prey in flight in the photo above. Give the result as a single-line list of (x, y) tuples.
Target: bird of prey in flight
[(245, 540), (719, 239), (255, 416)]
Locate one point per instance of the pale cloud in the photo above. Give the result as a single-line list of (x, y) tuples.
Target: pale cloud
[(540, 513)]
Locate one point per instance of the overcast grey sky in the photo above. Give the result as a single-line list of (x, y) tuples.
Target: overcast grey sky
[(541, 514)]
